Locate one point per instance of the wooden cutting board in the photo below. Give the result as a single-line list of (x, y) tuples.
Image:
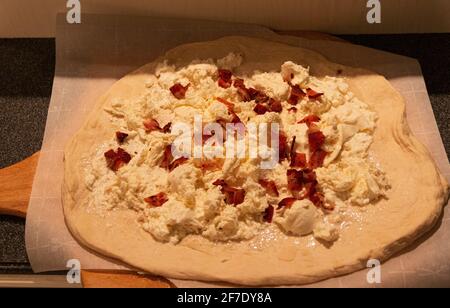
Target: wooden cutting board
[(15, 190)]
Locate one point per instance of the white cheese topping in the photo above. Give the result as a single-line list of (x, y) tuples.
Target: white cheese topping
[(195, 205), (299, 219)]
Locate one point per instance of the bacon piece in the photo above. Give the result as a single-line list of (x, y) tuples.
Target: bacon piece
[(178, 90), (260, 109), (309, 119), (315, 139), (311, 192), (167, 157), (270, 187), (234, 117), (282, 146), (317, 158), (294, 180), (292, 110), (177, 162), (309, 175), (297, 159), (223, 84), (243, 93), (268, 213), (224, 80), (121, 136), (249, 94), (157, 200), (292, 151), (167, 128), (258, 96), (151, 125), (116, 159), (209, 164), (219, 182), (238, 83), (275, 105), (229, 105), (233, 195), (296, 94), (286, 202), (272, 106), (313, 94), (316, 197), (205, 137)]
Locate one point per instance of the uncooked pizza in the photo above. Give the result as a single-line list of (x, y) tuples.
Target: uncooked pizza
[(251, 162)]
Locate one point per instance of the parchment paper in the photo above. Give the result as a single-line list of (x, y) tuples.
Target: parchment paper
[(91, 56)]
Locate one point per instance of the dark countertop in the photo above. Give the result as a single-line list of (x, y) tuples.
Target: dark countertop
[(26, 77)]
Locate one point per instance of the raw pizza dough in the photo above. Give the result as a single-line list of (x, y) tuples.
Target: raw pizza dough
[(413, 204)]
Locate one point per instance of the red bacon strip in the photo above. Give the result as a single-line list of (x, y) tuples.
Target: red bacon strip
[(167, 128), (209, 164), (116, 159), (286, 202), (309, 119), (234, 118), (313, 94), (258, 96), (313, 195), (167, 157), (178, 90), (168, 162), (294, 180), (177, 162), (268, 213), (316, 159), (275, 105), (238, 83), (309, 175), (157, 200), (282, 146), (297, 159), (249, 94), (233, 195), (151, 125), (121, 136), (270, 187), (229, 105), (307, 179), (315, 139), (272, 105), (260, 109), (295, 95), (224, 80)]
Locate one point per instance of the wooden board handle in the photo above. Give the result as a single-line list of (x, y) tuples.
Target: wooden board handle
[(15, 186), (121, 279)]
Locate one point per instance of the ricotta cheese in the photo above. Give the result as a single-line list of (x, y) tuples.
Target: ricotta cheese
[(195, 206)]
